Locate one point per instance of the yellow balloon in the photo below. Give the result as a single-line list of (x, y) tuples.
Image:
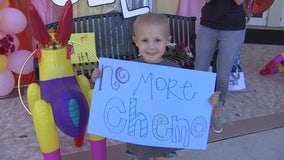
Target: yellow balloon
[(5, 4), (3, 63)]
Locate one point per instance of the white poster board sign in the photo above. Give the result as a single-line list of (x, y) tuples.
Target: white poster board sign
[(152, 104)]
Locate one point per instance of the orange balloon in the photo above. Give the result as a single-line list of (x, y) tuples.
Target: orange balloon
[(260, 6), (5, 4)]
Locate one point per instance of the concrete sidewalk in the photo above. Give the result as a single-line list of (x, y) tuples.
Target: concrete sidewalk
[(265, 145)]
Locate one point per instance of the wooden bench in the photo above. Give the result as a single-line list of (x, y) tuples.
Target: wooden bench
[(113, 37)]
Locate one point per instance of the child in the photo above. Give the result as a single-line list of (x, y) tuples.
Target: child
[(151, 36)]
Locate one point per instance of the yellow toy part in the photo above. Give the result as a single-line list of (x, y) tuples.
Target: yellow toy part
[(33, 94), (3, 63), (4, 4), (45, 127), (60, 100), (61, 65), (43, 120), (84, 84)]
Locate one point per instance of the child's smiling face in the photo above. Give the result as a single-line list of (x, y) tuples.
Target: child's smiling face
[(151, 39)]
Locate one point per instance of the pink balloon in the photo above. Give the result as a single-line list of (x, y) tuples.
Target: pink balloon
[(13, 21), (16, 61), (9, 43), (7, 82), (2, 35)]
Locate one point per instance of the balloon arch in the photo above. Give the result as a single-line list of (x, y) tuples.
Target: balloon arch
[(11, 56)]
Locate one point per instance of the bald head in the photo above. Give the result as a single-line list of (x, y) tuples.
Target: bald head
[(152, 19)]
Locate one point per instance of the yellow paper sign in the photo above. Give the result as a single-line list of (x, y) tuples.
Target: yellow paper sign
[(84, 48)]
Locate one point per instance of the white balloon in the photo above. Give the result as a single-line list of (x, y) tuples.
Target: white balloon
[(12, 20), (16, 61), (7, 82)]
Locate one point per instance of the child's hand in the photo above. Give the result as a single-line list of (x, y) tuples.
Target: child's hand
[(96, 74), (214, 99)]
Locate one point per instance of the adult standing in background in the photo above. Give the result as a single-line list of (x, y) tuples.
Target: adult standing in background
[(222, 27)]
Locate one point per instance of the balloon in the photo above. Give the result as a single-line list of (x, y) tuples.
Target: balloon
[(16, 61), (13, 21), (3, 63), (8, 43), (7, 82), (2, 35)]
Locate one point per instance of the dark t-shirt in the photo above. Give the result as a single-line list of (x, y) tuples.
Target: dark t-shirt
[(223, 15)]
